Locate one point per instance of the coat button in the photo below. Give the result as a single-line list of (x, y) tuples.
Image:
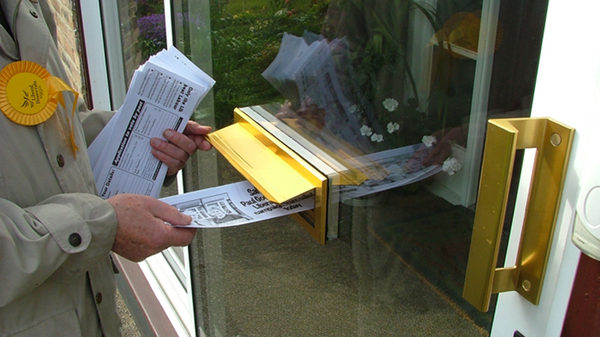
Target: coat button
[(34, 14), (75, 239), (98, 298), (60, 160)]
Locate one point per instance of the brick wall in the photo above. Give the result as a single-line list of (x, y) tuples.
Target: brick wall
[(69, 41)]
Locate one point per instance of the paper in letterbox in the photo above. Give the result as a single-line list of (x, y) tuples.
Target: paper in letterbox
[(241, 203), (235, 204)]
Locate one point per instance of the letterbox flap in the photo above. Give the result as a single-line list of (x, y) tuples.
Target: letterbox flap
[(264, 161)]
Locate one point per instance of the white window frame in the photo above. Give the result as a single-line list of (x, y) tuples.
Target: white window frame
[(107, 87)]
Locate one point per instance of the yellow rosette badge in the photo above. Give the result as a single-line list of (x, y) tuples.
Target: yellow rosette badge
[(29, 95)]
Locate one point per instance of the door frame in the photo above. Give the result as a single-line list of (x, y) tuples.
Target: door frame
[(567, 89), (153, 281)]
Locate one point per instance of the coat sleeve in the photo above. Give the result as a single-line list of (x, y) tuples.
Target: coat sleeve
[(93, 121), (54, 241)]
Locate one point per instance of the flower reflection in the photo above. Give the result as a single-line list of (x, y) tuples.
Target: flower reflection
[(390, 104), (451, 166), (391, 127), (366, 131), (377, 138), (429, 140)]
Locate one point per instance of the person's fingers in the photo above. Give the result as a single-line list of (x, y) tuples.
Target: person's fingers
[(181, 142), (173, 164), (144, 226), (197, 133), (178, 147), (202, 143), (174, 152), (193, 128), (180, 236)]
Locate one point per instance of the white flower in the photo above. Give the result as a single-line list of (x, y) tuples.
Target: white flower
[(451, 166), (366, 131), (377, 138), (429, 140), (390, 104), (391, 127)]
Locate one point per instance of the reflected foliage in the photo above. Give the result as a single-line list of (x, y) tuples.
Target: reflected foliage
[(379, 35), (246, 38), (151, 24)]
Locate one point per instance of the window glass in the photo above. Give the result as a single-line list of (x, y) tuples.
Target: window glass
[(414, 79)]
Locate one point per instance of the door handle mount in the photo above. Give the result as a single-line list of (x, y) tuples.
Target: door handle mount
[(553, 142)]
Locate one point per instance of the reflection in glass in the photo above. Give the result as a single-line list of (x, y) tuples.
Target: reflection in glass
[(402, 85), (143, 32), (351, 89)]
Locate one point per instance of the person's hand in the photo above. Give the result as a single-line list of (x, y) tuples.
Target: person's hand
[(443, 148), (440, 152), (180, 146), (142, 230)]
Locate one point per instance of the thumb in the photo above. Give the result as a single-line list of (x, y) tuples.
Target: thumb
[(169, 214)]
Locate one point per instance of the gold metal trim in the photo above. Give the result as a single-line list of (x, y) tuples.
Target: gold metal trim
[(274, 169), (553, 142)]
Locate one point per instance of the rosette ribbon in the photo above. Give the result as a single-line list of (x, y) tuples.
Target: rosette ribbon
[(29, 95)]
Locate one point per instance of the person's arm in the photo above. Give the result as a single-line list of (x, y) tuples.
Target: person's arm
[(93, 121), (66, 234), (58, 238)]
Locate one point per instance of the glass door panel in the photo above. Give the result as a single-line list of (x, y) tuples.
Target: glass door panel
[(405, 87), (142, 33)]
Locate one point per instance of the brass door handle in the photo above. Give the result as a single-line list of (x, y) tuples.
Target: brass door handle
[(504, 136)]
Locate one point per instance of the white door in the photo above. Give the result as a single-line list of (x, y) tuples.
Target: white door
[(567, 90)]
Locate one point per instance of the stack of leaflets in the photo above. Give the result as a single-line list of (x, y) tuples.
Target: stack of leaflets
[(163, 93)]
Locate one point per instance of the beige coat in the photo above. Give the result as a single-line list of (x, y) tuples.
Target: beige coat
[(56, 276)]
